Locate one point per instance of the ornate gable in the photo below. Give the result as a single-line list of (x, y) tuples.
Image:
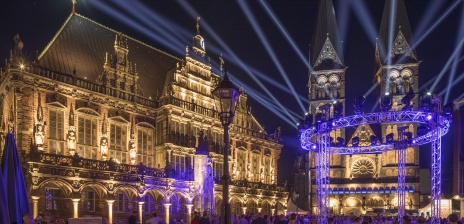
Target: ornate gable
[(328, 52), (364, 132), (401, 46)]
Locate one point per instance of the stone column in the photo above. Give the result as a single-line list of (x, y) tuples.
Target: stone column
[(110, 211), (272, 211), (75, 202), (285, 212), (35, 206), (259, 209), (189, 212), (462, 207), (244, 210), (141, 210), (166, 211)]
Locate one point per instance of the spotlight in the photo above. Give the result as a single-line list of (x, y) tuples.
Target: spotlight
[(386, 103), (429, 117), (387, 94), (319, 117), (429, 93), (313, 146), (406, 100), (338, 110), (21, 66), (308, 120), (422, 130), (358, 104), (334, 102), (413, 141), (408, 135), (341, 142), (355, 141), (306, 114), (374, 140), (389, 138)]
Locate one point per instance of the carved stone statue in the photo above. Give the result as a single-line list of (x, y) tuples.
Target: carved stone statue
[(104, 148), (72, 142), (39, 137)]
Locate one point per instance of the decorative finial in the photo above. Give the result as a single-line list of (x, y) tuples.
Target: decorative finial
[(73, 7), (198, 25), (221, 62)]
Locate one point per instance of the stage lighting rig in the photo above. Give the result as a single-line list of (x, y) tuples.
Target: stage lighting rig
[(406, 100), (374, 140), (358, 104), (355, 141), (386, 103), (338, 109), (389, 138), (340, 142)]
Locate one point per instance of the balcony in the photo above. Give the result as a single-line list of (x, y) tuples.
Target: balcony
[(79, 162)]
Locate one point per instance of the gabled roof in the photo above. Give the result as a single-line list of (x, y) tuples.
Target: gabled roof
[(326, 41), (401, 36), (364, 132), (81, 44)]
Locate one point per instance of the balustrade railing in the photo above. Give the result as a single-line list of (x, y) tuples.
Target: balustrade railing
[(79, 162)]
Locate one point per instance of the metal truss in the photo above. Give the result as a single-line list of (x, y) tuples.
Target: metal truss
[(436, 175), (401, 173), (417, 117), (323, 176), (437, 123)]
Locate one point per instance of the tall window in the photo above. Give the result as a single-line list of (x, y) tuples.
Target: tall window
[(217, 170), (87, 136), (179, 164), (241, 165), (56, 131), (149, 205), (267, 171), (160, 132), (255, 167), (121, 202), (145, 146), (52, 199), (88, 201), (118, 142)]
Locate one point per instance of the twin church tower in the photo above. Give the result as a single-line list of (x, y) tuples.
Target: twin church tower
[(363, 183)]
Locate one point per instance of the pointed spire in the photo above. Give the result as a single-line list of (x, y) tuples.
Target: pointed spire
[(221, 62), (39, 110), (74, 6), (198, 25), (326, 43), (395, 36)]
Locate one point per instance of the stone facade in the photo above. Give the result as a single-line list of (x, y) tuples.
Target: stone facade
[(110, 125)]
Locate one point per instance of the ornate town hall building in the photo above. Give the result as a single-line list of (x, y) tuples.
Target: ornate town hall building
[(111, 125), (363, 183)]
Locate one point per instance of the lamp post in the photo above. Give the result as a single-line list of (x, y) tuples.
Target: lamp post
[(226, 96)]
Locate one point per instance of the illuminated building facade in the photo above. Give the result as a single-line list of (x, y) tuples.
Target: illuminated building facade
[(111, 125), (362, 183)]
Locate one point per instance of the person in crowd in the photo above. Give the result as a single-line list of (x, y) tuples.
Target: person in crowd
[(154, 219), (133, 218), (259, 219)]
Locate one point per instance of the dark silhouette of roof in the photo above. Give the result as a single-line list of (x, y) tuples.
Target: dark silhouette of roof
[(400, 23), (326, 27), (81, 44)]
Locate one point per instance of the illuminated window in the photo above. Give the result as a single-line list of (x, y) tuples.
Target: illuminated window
[(121, 202), (56, 131), (52, 199), (217, 170), (88, 201), (145, 146), (118, 142), (255, 167), (241, 166), (87, 136)]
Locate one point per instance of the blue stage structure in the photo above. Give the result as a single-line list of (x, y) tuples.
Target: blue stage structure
[(316, 138)]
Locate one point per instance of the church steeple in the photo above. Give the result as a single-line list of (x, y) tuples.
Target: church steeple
[(395, 36), (326, 52)]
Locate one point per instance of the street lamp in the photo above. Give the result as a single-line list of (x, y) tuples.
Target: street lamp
[(226, 96)]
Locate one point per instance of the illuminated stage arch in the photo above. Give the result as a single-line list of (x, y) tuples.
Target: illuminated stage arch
[(316, 138)]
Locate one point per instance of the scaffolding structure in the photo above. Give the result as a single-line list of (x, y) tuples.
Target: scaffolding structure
[(437, 123)]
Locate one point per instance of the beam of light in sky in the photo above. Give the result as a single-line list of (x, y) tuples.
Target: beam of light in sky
[(448, 87), (391, 32), (133, 24), (267, 79), (461, 96), (141, 13), (257, 28), (370, 89), (190, 10), (451, 58), (343, 19), (456, 59), (436, 23), (364, 17), (155, 20), (427, 17), (284, 32)]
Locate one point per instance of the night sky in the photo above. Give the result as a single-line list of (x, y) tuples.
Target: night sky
[(38, 21)]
